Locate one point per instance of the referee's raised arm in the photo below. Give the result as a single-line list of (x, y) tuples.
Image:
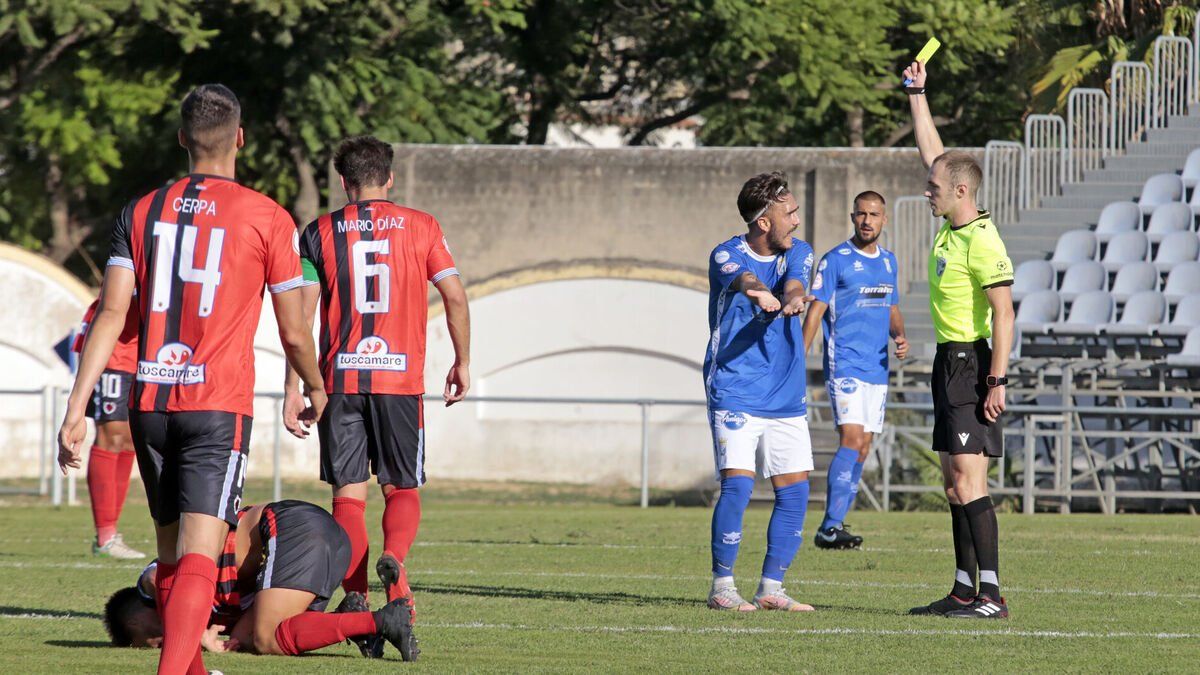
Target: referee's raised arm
[(928, 140)]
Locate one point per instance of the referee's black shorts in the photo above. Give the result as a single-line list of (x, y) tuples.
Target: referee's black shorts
[(960, 388)]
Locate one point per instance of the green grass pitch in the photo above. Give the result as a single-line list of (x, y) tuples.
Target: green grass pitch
[(526, 580)]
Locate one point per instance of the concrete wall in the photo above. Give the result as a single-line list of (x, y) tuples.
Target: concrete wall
[(506, 208)]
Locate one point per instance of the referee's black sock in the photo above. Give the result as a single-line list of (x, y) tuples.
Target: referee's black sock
[(964, 554), (981, 515)]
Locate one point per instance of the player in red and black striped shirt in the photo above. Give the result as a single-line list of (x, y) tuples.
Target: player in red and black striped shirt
[(199, 253), (374, 260), (111, 458)]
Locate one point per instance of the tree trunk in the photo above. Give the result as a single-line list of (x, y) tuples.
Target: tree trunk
[(61, 244), (854, 126), (307, 206), (541, 116)]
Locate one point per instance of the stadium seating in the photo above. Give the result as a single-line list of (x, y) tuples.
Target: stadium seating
[(1038, 310), (1073, 247), (1168, 218), (1144, 311), (1082, 277), (1191, 171), (1184, 280), (1176, 248), (1187, 317), (1133, 279), (1032, 275), (1195, 201), (1158, 190), (1189, 356), (1116, 218), (1125, 248), (1087, 314)]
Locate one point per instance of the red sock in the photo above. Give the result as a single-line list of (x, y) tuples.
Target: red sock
[(313, 630), (185, 614), (401, 517), (125, 460), (351, 514), (164, 578), (100, 470)]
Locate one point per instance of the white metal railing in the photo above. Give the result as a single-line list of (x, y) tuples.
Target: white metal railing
[(1045, 157), (1196, 57), (1003, 189), (1172, 83), (915, 226), (1130, 98), (1087, 132)]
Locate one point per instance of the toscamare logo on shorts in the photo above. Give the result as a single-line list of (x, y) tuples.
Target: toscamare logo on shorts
[(171, 365), (371, 353)]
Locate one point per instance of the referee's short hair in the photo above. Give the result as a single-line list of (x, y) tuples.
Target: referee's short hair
[(210, 116), (869, 196), (963, 169), (758, 193), (363, 161)]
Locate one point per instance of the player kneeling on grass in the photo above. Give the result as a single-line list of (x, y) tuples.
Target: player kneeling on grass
[(856, 304), (755, 383), (277, 572)]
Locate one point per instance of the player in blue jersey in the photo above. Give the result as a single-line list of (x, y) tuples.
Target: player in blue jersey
[(755, 382), (855, 301)]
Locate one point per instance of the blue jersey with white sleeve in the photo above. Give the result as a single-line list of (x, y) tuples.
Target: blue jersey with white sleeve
[(860, 290), (755, 359)]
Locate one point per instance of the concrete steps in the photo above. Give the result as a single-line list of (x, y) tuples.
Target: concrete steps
[(1109, 191)]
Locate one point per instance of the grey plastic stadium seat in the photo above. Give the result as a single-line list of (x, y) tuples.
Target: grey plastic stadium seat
[(1134, 278), (1082, 277), (1125, 248), (1168, 218), (1144, 311), (1037, 311), (1191, 170), (1189, 356), (1032, 275), (1187, 317), (1089, 312), (1073, 247), (1194, 202), (1116, 218), (1184, 280), (1176, 248), (1158, 190)]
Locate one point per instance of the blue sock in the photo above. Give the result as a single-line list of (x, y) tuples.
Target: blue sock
[(854, 479), (785, 532), (727, 522), (842, 487)]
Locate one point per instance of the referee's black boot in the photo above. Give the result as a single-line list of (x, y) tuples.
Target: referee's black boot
[(943, 607), (394, 623), (836, 537), (983, 608)]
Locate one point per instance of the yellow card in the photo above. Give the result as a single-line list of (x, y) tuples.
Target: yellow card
[(928, 50)]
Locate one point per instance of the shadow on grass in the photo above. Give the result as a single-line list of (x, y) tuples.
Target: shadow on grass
[(78, 643), (543, 594), (6, 610)]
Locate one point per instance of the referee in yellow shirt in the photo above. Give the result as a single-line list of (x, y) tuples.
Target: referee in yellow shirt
[(971, 300)]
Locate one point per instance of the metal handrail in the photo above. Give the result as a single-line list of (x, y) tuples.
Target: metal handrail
[(1045, 157), (1087, 131)]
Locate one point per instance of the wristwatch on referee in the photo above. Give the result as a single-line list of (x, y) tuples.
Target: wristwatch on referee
[(993, 381)]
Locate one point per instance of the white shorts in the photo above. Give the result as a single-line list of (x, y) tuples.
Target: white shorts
[(857, 402), (785, 442)]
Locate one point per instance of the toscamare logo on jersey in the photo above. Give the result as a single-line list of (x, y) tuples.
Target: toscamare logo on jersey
[(171, 365), (371, 353)]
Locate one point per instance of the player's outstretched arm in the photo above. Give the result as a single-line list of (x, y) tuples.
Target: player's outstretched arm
[(928, 140), (293, 400), (458, 322), (295, 335), (896, 330), (749, 284), (812, 323), (115, 296), (1000, 298)]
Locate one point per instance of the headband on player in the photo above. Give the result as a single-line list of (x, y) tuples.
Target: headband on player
[(768, 205)]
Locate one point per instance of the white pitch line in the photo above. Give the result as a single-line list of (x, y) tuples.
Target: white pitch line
[(738, 630)]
